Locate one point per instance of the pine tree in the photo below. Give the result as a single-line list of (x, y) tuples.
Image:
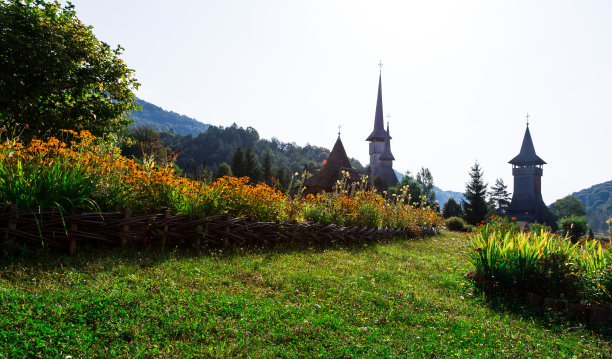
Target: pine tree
[(251, 165), (267, 166), (499, 197), (475, 205), (238, 163)]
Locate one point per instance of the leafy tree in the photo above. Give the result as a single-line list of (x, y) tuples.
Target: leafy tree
[(499, 197), (568, 206), (425, 179), (574, 226), (238, 163), (451, 209), (251, 165), (475, 205), (267, 166), (223, 169), (57, 75), (414, 189)]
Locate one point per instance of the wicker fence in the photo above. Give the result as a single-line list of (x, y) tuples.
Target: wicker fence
[(67, 232)]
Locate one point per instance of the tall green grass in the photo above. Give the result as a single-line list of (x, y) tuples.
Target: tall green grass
[(543, 262), (45, 181)]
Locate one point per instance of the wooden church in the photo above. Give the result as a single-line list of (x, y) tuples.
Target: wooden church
[(381, 158)]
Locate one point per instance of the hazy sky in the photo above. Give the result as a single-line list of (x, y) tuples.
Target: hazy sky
[(458, 76)]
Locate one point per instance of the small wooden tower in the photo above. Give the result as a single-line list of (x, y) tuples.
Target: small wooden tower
[(527, 168)]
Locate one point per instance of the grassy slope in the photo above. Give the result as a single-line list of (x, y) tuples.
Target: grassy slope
[(403, 298)]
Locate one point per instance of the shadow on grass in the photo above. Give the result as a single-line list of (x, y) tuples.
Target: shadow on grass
[(554, 321), (149, 255)]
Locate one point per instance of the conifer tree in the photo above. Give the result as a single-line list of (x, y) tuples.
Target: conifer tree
[(251, 165), (267, 166), (475, 205), (238, 163), (499, 197)]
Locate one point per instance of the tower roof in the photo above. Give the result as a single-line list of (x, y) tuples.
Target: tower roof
[(386, 154), (337, 157), (379, 127), (337, 161), (527, 156)]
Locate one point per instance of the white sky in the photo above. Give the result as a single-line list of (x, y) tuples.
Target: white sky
[(458, 76)]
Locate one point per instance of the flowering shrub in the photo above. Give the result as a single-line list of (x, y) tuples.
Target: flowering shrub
[(91, 174), (357, 205)]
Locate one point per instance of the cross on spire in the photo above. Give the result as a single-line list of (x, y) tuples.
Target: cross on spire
[(380, 65), (339, 126), (388, 117), (527, 116)]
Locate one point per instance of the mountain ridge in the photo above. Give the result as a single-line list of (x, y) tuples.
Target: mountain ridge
[(597, 200), (154, 117)]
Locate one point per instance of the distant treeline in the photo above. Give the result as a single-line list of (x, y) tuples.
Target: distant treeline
[(211, 152)]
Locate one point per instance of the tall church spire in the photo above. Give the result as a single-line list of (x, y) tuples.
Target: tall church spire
[(379, 127)]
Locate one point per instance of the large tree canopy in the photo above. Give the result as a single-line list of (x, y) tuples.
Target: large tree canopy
[(55, 74)]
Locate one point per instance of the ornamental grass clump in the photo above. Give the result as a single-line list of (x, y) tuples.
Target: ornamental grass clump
[(46, 175), (542, 262)]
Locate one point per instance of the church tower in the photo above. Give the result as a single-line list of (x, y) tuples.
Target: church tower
[(527, 204), (380, 147)]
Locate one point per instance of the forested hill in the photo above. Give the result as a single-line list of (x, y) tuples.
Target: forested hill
[(157, 118), (598, 202), (217, 144)]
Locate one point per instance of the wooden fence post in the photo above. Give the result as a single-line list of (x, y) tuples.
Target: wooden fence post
[(227, 230), (12, 225), (126, 213), (73, 244), (165, 235)]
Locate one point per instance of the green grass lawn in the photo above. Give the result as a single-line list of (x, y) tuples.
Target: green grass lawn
[(400, 298)]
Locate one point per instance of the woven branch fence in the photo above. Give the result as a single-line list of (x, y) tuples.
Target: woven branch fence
[(66, 232)]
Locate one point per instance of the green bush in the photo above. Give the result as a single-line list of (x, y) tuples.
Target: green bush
[(574, 227), (455, 224)]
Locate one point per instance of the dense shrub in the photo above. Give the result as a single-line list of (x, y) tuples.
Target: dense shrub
[(542, 262), (574, 227), (455, 224)]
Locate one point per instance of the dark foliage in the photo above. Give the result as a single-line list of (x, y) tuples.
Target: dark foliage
[(451, 209)]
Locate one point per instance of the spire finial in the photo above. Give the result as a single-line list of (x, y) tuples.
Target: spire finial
[(527, 116), (339, 126), (380, 65)]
